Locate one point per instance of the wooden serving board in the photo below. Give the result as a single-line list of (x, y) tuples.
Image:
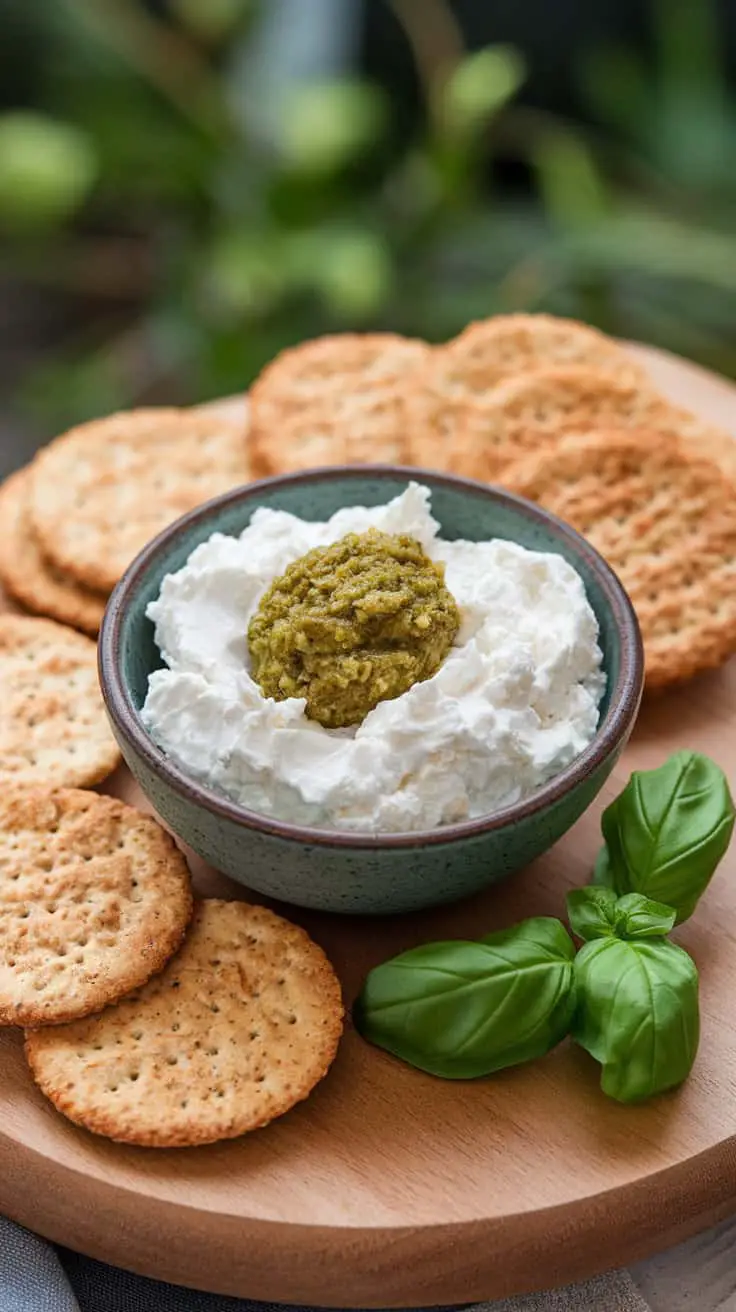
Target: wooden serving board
[(389, 1188)]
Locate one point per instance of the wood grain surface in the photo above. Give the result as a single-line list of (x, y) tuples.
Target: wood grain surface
[(389, 1188)]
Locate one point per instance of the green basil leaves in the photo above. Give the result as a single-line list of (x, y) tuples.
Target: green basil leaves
[(462, 1009), (637, 1014), (667, 831)]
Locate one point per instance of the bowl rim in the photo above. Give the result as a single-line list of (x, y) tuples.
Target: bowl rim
[(612, 733)]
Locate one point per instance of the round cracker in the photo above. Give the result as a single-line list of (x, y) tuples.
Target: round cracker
[(333, 400), (53, 725), (102, 491), (240, 1027), (29, 578), (94, 899), (665, 520), (491, 351), (483, 438)]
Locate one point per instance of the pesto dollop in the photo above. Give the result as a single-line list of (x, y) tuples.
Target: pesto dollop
[(353, 624)]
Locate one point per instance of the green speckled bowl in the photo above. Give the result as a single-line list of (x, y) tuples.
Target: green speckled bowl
[(348, 872)]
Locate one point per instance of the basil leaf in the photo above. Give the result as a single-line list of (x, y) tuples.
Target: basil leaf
[(639, 917), (460, 1010), (668, 830), (592, 912), (637, 1014), (598, 913)]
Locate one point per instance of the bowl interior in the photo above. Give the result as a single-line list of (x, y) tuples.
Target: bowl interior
[(464, 510)]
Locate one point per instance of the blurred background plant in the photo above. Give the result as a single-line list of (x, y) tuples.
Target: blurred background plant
[(186, 186)]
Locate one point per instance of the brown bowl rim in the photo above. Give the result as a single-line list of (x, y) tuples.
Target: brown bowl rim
[(613, 732)]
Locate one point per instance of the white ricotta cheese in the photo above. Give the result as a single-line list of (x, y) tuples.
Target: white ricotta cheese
[(515, 701)]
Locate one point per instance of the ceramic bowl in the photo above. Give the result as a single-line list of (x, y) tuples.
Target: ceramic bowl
[(347, 872)]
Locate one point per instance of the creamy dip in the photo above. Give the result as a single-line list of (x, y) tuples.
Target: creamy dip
[(515, 701)]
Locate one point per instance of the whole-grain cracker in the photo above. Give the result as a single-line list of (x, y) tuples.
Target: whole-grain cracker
[(240, 1026), (491, 351), (334, 400), (29, 578), (99, 493), (665, 520), (483, 438), (53, 725), (94, 899)]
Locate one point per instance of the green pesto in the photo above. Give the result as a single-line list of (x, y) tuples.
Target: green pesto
[(351, 625)]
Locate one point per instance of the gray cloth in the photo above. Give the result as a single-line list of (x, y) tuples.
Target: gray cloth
[(34, 1278), (31, 1276)]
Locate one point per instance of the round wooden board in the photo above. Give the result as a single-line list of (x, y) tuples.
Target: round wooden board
[(389, 1188)]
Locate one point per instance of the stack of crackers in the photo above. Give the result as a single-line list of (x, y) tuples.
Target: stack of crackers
[(150, 1018), (557, 412)]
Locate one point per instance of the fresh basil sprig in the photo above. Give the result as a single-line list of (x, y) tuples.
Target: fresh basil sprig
[(630, 997), (667, 831), (461, 1009), (636, 993)]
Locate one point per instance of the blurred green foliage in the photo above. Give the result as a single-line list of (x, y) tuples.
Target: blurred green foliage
[(140, 190)]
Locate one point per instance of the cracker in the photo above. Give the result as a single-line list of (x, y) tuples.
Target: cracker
[(334, 400), (94, 899), (102, 491), (346, 428), (482, 439), (494, 350), (240, 1027), (53, 725), (29, 578), (665, 520)]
